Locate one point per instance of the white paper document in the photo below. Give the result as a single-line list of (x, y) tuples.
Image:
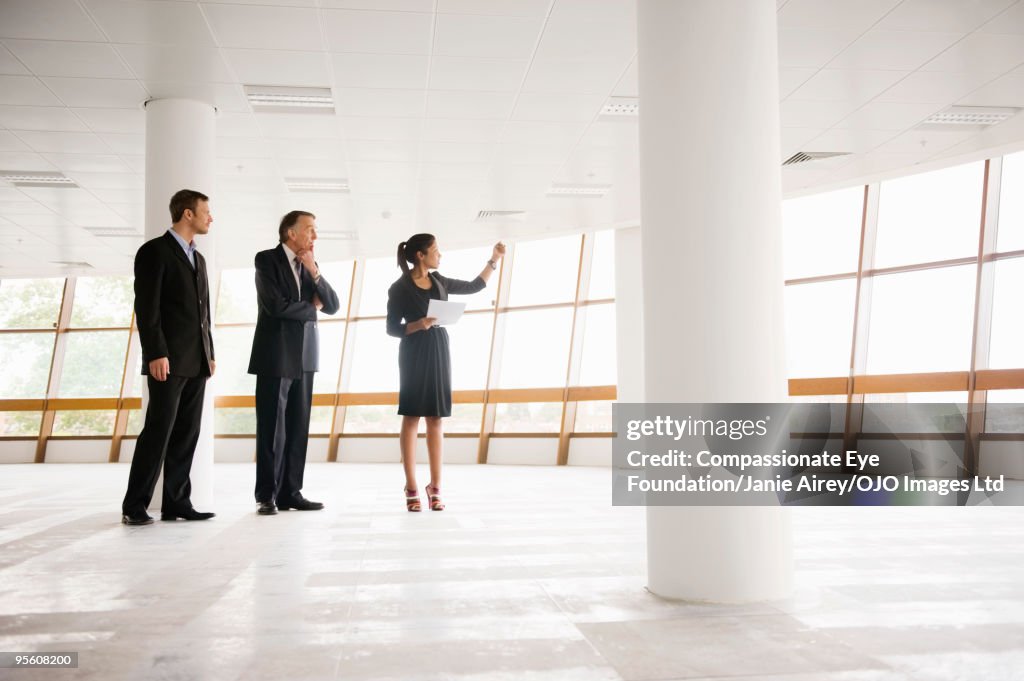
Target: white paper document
[(445, 311)]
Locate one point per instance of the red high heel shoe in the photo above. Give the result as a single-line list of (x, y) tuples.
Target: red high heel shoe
[(434, 497), (412, 500)]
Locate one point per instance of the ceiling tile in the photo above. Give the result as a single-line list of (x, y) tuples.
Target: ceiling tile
[(461, 130), (247, 167), (988, 52), (812, 114), (841, 85), (469, 105), (382, 150), (440, 174), (374, 128), (26, 90), (171, 63), (381, 5), (64, 142), (849, 140), (136, 163), (622, 11), (76, 60), (1005, 91), (557, 107), (895, 50), (17, 160), (377, 32), (460, 35), (306, 148), (380, 178), (10, 142), (508, 8), (935, 87), (577, 77), (40, 118), (124, 181), (566, 37), (854, 15), (531, 153), (929, 142), (791, 79), (125, 144), (243, 124), (264, 27), (456, 152), (367, 102), (132, 121), (629, 84), (87, 163), (279, 67), (46, 20), (243, 147), (96, 92), (9, 65), (806, 48), (1010, 21), (888, 115), (395, 71), (152, 22), (942, 15), (542, 132), (466, 73), (297, 125), (315, 167)]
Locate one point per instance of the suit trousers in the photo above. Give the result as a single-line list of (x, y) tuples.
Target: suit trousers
[(282, 433), (168, 439)]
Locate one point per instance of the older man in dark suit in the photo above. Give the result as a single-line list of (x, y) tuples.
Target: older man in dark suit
[(285, 355), (172, 312)]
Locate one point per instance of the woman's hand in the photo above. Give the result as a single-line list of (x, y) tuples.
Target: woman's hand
[(427, 322), (499, 252)]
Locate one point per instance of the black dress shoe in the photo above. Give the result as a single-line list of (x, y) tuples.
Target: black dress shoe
[(136, 519), (300, 503), (267, 508), (186, 514)]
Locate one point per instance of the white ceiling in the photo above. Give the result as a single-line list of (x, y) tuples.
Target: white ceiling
[(444, 108)]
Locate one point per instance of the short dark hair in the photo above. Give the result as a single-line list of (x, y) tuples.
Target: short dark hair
[(186, 199), (288, 221)]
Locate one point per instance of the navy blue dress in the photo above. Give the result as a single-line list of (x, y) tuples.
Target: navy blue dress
[(424, 357)]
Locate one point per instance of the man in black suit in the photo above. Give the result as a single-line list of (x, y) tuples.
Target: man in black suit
[(285, 355), (172, 312)]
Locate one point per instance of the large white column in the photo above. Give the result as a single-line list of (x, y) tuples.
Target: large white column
[(712, 273), (180, 152)]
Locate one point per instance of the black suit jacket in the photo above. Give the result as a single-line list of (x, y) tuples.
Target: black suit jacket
[(172, 308), (286, 342)]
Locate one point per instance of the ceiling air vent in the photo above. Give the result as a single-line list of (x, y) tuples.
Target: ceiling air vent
[(805, 156), (621, 107), (968, 117), (273, 99), (495, 215), (320, 185), (20, 178)]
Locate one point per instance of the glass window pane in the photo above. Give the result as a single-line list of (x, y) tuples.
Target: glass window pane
[(27, 377), (535, 348), (1011, 204), (339, 276), (93, 364), (470, 347), (374, 418), (1004, 412), (602, 268), (952, 397), (234, 421), (931, 216), (374, 359), (20, 423), (545, 271), (819, 328), (135, 422), (320, 420), (233, 347), (102, 301), (1007, 344), (597, 323), (821, 233), (30, 303), (236, 299), (332, 335), (84, 422), (378, 275), (594, 417), (528, 417), (465, 418), (922, 321), (466, 264), (134, 379)]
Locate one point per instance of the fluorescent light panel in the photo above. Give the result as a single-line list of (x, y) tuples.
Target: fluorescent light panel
[(620, 107), (23, 178), (579, 190), (268, 98), (317, 184), (972, 115)]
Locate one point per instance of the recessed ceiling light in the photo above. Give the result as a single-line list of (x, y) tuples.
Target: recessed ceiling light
[(621, 107), (579, 190), (273, 99), (22, 178), (317, 184), (972, 115), (114, 231)]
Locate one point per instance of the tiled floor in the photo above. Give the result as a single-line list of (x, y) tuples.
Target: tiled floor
[(529, 575)]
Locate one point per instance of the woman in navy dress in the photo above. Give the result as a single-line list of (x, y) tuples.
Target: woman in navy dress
[(424, 359)]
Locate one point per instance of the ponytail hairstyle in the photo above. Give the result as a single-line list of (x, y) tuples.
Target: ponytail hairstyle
[(407, 250)]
